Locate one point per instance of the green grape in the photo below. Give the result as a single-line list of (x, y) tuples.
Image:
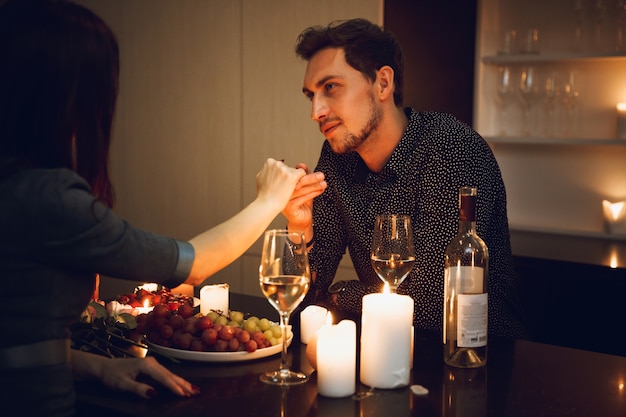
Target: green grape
[(213, 315), (274, 341), (268, 334), (277, 332), (264, 324), (234, 323), (223, 320), (236, 316), (251, 325)]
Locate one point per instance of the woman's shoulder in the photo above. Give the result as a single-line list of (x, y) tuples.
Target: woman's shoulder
[(46, 184), (44, 195)]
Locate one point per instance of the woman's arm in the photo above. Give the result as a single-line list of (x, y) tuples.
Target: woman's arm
[(221, 245)]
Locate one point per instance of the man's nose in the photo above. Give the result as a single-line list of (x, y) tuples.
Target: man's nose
[(319, 109)]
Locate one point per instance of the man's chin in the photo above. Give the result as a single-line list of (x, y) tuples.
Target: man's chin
[(335, 147)]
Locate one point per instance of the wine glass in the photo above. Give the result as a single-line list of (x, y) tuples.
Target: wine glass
[(504, 92), (528, 93), (392, 252), (551, 99), (284, 276), (571, 99)]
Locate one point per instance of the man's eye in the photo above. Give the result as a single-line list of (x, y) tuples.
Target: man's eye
[(330, 86)]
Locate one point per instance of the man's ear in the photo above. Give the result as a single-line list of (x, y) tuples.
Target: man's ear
[(384, 79)]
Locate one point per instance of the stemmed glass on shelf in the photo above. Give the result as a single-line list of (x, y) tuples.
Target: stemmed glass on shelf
[(284, 276), (552, 92), (504, 92), (392, 252), (571, 102), (528, 94)]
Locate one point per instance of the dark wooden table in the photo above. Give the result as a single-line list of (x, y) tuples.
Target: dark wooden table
[(522, 378)]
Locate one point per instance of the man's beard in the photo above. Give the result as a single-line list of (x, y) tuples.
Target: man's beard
[(351, 141)]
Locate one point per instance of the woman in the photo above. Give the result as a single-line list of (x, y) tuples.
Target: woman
[(58, 87)]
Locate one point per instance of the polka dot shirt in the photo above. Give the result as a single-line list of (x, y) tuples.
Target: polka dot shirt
[(436, 155)]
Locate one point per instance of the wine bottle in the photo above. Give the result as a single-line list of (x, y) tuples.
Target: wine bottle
[(464, 392), (465, 290)]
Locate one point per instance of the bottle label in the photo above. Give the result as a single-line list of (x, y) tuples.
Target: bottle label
[(472, 320)]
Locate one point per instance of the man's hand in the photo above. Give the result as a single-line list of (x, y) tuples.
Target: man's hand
[(299, 210)]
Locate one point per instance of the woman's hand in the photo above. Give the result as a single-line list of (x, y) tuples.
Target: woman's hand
[(276, 182), (121, 374)]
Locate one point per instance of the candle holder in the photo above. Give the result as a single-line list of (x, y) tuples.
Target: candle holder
[(614, 217)]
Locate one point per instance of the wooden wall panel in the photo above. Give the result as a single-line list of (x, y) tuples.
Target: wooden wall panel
[(208, 90)]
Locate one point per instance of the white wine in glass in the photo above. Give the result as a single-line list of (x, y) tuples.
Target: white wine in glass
[(393, 250), (284, 276)]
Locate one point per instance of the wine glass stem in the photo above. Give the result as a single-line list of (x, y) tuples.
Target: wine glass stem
[(284, 322)]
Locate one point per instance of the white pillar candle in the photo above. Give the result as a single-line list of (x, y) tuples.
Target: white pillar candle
[(614, 217), (312, 318), (214, 297), (336, 359), (386, 334), (621, 120)]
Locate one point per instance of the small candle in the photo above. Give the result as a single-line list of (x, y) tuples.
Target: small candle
[(386, 334), (149, 286), (312, 319), (614, 216), (145, 309), (621, 120), (214, 297), (336, 359)]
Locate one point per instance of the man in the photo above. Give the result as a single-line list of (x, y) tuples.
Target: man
[(379, 157)]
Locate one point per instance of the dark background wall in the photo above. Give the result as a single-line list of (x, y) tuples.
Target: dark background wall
[(438, 39)]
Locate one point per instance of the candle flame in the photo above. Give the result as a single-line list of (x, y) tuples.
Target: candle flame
[(613, 259), (386, 288), (614, 211), (621, 106), (329, 318), (146, 303)]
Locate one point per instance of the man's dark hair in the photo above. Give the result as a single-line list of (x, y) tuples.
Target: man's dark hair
[(367, 48)]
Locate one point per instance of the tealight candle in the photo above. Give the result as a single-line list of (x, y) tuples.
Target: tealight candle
[(336, 359), (621, 120), (145, 309), (614, 216), (312, 319), (386, 335), (214, 297)]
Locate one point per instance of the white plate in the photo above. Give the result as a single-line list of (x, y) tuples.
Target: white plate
[(240, 356)]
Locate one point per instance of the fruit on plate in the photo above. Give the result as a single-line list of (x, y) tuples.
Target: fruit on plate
[(213, 332), (131, 303), (153, 298)]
